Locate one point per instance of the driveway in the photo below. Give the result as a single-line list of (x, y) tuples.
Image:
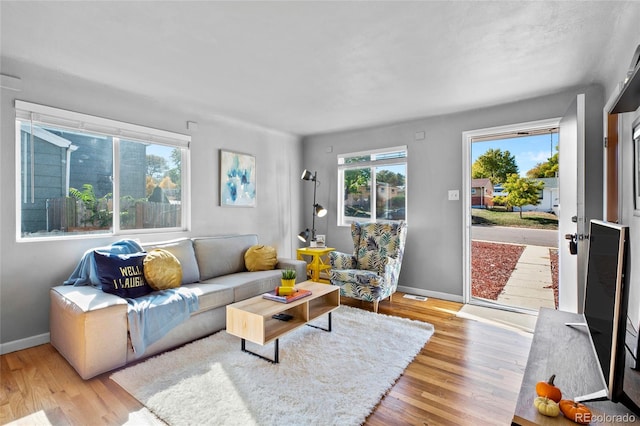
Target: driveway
[(527, 236)]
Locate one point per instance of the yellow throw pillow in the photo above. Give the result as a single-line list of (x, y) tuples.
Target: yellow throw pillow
[(260, 258), (162, 270)]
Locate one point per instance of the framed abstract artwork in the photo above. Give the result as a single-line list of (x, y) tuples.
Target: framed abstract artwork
[(237, 179)]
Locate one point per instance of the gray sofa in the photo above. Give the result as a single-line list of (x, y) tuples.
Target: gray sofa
[(90, 328)]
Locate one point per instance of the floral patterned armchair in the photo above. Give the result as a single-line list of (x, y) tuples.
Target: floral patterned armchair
[(371, 273)]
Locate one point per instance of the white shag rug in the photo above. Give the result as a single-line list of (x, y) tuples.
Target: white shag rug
[(323, 378)]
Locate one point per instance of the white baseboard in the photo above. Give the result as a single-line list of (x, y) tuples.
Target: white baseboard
[(28, 342), (429, 293)]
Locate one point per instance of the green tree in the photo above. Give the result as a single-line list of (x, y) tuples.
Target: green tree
[(547, 169), (495, 165), (355, 179), (156, 166), (387, 176), (522, 191), (501, 200), (174, 173), (96, 212)]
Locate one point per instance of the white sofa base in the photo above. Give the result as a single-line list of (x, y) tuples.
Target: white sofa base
[(89, 328)]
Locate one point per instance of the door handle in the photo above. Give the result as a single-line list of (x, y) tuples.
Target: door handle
[(573, 243)]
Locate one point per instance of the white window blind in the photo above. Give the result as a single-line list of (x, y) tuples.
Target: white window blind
[(74, 120)]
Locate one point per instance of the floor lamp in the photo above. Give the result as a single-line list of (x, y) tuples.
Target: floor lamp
[(318, 210)]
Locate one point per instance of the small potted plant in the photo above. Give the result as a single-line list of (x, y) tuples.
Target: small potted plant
[(288, 282), (288, 277)]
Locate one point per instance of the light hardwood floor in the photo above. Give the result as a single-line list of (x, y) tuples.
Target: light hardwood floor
[(469, 373)]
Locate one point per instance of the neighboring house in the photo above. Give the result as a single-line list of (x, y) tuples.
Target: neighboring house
[(385, 193), (481, 193), (360, 198), (498, 191), (51, 182), (549, 199), (73, 160)]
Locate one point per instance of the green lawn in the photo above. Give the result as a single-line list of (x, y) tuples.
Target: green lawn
[(538, 220)]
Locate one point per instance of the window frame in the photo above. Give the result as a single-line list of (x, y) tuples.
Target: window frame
[(373, 164), (41, 115)]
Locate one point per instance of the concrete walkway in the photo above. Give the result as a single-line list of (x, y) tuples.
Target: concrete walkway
[(526, 287)]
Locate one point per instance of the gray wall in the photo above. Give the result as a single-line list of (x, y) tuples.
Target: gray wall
[(433, 262), (29, 269)]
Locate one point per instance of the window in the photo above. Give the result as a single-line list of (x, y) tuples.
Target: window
[(372, 185), (76, 170)]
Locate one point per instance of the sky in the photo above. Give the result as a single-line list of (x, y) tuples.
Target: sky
[(161, 151), (528, 150)]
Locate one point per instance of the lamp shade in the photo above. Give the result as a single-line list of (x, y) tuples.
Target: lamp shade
[(320, 211), (307, 175), (304, 235)]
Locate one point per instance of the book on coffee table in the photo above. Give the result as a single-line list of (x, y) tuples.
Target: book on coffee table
[(298, 294)]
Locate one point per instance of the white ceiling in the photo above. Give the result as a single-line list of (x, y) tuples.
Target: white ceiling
[(313, 67)]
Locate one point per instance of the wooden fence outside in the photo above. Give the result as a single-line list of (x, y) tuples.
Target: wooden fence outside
[(68, 214)]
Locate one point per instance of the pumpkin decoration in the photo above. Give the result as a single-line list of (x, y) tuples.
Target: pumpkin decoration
[(549, 390), (575, 411), (546, 406)]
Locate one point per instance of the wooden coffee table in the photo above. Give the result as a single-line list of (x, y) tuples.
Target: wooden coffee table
[(252, 319)]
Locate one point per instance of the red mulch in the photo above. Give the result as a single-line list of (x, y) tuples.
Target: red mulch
[(493, 263), (491, 267)]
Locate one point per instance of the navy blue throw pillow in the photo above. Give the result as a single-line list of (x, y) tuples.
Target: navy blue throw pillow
[(122, 274)]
